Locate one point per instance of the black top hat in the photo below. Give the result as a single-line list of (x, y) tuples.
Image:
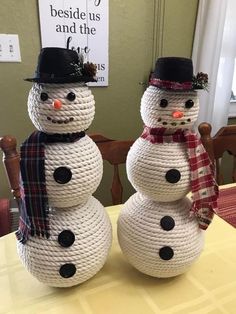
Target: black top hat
[(174, 73), (60, 65)]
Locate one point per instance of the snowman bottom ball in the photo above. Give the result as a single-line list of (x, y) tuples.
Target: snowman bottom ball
[(159, 239), (78, 246)]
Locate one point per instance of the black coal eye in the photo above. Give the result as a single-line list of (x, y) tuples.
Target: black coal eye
[(163, 103), (71, 96), (44, 96), (189, 103)]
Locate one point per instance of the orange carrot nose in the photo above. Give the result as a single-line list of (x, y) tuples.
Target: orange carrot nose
[(57, 104), (177, 114)]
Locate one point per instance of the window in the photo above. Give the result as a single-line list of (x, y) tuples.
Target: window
[(232, 106)]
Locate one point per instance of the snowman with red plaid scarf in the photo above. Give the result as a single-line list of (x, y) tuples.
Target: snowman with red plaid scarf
[(64, 233), (160, 230)]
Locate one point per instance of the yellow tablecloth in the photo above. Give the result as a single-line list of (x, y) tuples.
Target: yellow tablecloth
[(208, 287)]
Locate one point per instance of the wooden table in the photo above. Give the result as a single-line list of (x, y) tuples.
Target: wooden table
[(208, 287)]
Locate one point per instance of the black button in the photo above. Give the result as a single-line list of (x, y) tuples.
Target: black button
[(167, 223), (62, 175), (67, 270), (173, 176), (166, 253), (66, 238)]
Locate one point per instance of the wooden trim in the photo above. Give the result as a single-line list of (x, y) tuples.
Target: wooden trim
[(158, 29)]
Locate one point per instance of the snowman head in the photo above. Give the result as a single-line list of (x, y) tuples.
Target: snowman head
[(61, 108), (172, 110), (60, 101), (171, 100)]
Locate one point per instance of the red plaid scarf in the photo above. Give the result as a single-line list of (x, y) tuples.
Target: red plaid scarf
[(34, 206), (202, 181)]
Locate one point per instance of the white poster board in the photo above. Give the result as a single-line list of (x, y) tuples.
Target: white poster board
[(78, 24)]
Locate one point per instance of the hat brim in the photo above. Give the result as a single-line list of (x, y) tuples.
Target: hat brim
[(177, 90), (61, 80)]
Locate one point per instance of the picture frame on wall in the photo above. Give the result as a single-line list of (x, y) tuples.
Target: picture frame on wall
[(79, 25)]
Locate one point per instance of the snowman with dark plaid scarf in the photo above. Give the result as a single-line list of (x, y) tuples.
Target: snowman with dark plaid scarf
[(160, 230), (64, 233)]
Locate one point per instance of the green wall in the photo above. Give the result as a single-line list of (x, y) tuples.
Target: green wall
[(139, 32)]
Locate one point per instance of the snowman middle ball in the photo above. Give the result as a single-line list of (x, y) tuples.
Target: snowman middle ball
[(148, 166)]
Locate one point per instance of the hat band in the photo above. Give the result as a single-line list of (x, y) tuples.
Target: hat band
[(43, 75), (171, 85)]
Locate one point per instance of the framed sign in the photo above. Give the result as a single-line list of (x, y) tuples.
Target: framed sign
[(81, 25)]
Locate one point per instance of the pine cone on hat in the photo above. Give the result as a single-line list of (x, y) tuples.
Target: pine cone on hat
[(90, 69)]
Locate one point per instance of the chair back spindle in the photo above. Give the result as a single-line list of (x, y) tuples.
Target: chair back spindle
[(115, 152), (207, 141), (223, 141), (11, 160)]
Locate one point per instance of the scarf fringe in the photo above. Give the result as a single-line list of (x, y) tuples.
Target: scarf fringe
[(204, 221), (204, 213), (43, 234), (22, 237)]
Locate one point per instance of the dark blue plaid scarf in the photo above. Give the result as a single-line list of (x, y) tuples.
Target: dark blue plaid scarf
[(34, 207)]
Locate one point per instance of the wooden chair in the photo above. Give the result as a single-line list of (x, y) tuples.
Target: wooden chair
[(5, 217), (223, 141), (11, 160), (115, 152), (9, 215)]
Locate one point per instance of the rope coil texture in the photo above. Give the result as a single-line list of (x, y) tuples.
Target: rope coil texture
[(71, 205), (140, 234), (141, 237), (92, 229), (151, 112), (81, 109), (147, 165), (84, 160)]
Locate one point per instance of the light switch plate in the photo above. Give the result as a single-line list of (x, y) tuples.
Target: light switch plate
[(9, 48)]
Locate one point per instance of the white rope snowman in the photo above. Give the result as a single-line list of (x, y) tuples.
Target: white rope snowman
[(64, 233), (158, 227)]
